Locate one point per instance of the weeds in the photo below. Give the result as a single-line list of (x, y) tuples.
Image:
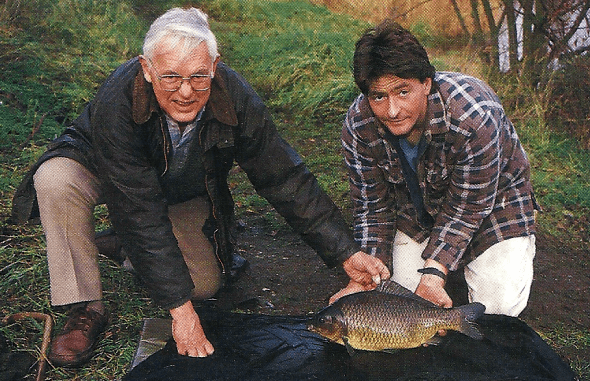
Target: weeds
[(296, 45), (54, 63)]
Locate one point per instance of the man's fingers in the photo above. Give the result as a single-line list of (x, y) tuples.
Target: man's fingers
[(337, 296), (204, 349), (377, 269), (383, 271), (201, 353), (209, 348), (351, 288), (197, 351), (365, 270)]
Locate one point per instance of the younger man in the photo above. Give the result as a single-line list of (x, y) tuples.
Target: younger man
[(439, 180)]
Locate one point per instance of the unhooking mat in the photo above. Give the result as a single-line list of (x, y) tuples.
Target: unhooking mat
[(14, 365), (261, 347)]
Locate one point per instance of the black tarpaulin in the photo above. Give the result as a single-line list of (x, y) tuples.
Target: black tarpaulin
[(14, 365), (261, 347)]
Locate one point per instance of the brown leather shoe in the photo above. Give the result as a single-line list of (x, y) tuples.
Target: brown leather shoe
[(74, 345)]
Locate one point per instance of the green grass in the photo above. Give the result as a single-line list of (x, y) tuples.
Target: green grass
[(296, 44), (54, 54)]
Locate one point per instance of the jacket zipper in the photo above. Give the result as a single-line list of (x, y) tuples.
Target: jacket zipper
[(166, 146), (214, 210)]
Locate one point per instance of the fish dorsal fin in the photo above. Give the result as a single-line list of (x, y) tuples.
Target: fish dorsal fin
[(393, 288)]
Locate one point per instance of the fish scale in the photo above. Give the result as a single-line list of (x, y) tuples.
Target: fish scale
[(391, 317), (395, 322)]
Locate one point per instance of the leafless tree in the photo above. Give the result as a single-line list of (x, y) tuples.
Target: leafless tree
[(538, 31)]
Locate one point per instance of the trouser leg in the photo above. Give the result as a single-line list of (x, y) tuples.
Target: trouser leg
[(67, 194), (407, 259), (501, 277), (187, 220)]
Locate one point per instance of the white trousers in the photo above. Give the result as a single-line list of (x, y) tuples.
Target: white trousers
[(500, 278), (67, 194)]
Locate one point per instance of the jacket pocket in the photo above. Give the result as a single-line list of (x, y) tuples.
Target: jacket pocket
[(437, 187), (391, 173)]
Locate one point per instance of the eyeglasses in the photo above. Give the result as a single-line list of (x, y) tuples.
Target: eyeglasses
[(173, 82)]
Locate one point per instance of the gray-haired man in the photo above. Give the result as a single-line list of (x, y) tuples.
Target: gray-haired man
[(156, 145)]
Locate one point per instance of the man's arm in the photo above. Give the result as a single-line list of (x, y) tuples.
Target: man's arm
[(473, 178), (280, 176), (132, 190), (470, 198), (374, 208)]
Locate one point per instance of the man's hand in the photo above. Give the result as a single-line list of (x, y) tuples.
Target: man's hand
[(351, 288), (365, 272), (432, 287), (188, 332), (365, 269)]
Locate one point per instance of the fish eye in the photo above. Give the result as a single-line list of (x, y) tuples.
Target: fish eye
[(325, 319)]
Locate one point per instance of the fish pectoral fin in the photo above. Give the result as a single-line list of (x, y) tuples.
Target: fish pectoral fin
[(390, 350), (349, 347), (434, 340)]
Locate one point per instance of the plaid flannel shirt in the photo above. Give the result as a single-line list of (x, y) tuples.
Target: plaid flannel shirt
[(474, 176)]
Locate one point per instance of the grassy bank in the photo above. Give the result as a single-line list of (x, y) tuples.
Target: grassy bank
[(54, 54)]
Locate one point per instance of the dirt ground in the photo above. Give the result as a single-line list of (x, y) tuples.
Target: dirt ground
[(285, 276)]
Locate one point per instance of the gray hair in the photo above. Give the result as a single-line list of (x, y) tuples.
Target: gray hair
[(177, 26)]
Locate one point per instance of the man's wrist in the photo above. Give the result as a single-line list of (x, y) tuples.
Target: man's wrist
[(432, 267), (433, 271), (183, 310)]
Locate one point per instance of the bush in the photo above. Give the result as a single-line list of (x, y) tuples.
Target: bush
[(569, 101)]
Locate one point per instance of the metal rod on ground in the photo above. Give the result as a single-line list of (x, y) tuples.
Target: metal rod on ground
[(46, 336)]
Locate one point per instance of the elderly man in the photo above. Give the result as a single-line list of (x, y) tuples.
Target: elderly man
[(156, 145), (439, 180)]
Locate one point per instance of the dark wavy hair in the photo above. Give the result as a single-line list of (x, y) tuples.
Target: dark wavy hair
[(386, 49)]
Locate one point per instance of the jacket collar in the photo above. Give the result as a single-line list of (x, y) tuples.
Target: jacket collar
[(437, 114), (218, 107)]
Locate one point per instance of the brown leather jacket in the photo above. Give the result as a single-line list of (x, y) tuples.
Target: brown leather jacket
[(123, 138)]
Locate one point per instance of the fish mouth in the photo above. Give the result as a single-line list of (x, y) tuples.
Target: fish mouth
[(314, 328)]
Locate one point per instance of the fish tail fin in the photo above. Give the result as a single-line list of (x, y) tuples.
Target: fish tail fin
[(470, 313)]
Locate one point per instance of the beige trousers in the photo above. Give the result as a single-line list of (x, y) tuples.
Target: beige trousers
[(67, 194), (500, 278)]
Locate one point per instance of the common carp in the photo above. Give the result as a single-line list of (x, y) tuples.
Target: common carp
[(392, 317)]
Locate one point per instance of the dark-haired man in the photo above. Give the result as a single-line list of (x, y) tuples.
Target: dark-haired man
[(439, 180)]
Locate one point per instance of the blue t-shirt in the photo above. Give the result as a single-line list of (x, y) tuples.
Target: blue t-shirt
[(409, 156), (185, 178)]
